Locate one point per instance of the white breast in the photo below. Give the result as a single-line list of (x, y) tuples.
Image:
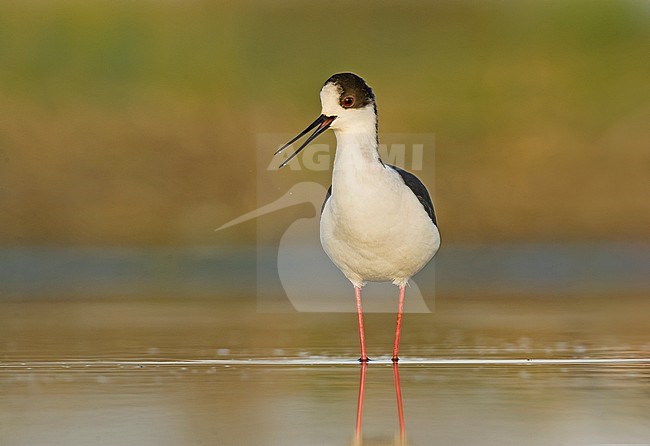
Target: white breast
[(373, 227)]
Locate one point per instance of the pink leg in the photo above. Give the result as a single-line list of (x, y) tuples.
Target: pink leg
[(398, 326), (400, 408), (362, 340), (362, 385)]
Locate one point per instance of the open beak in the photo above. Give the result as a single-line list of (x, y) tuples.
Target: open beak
[(321, 124)]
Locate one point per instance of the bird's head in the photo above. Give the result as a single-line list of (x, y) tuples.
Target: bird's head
[(348, 106), (350, 101)]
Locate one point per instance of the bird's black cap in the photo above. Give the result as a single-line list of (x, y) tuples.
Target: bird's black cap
[(351, 85)]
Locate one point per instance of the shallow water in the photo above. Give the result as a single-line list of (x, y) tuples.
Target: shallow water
[(476, 371)]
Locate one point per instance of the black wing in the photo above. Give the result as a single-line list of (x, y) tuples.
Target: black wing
[(418, 189), (327, 197)]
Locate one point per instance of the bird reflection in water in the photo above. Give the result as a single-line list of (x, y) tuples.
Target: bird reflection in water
[(358, 439)]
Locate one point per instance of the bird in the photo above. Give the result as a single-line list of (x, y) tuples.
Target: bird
[(377, 223)]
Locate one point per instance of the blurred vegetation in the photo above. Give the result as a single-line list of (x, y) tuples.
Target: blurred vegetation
[(135, 123)]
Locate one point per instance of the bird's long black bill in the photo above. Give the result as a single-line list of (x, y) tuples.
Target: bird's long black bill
[(321, 123), (301, 134)]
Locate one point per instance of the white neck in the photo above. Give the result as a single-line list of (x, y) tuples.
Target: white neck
[(356, 150), (357, 167)]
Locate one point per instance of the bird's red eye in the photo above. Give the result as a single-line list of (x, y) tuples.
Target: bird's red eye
[(347, 101)]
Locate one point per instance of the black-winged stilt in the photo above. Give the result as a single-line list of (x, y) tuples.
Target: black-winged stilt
[(377, 222)]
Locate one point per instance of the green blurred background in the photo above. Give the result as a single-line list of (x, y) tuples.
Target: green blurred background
[(134, 123), (130, 130)]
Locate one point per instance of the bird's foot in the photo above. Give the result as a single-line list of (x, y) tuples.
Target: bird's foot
[(395, 359), (364, 359)]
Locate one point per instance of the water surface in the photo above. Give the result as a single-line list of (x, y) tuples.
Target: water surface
[(476, 371)]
